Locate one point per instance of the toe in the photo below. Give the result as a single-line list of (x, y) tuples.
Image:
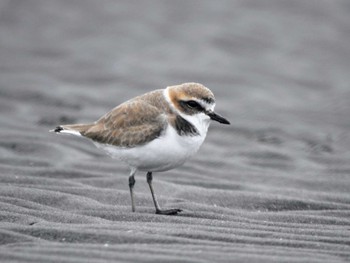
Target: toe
[(168, 212)]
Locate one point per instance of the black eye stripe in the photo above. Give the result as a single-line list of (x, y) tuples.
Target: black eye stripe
[(191, 104)]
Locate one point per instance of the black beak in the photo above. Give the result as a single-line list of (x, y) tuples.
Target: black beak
[(216, 117)]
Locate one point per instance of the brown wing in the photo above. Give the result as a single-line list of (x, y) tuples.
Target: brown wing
[(130, 124)]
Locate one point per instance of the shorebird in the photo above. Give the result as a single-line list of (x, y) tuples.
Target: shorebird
[(154, 132)]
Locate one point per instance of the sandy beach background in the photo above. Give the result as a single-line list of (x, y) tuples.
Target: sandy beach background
[(272, 187)]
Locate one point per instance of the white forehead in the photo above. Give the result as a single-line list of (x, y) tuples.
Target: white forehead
[(206, 105)]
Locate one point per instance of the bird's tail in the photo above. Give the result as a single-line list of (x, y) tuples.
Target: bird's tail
[(75, 129)]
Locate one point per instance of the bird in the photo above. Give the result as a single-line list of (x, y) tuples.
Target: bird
[(153, 132)]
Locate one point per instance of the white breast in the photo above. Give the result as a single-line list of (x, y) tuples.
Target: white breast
[(163, 153)]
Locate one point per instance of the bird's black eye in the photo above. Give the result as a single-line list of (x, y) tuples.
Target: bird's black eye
[(193, 104)]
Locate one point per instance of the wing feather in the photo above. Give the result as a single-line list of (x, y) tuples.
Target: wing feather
[(130, 124)]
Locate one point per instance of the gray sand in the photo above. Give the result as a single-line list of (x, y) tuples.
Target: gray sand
[(272, 187)]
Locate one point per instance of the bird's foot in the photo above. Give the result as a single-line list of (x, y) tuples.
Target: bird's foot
[(168, 212)]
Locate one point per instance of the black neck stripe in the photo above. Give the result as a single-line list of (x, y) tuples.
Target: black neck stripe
[(183, 127)]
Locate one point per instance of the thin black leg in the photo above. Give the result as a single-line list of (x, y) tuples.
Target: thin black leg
[(158, 210), (132, 182)]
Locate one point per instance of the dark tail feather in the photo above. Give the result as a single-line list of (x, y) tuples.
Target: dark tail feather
[(57, 129), (76, 129)]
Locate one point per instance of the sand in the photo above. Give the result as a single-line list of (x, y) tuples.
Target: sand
[(272, 187)]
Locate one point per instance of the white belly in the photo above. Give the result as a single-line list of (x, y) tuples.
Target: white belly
[(161, 154)]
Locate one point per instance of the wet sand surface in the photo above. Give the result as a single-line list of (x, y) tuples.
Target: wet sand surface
[(272, 187)]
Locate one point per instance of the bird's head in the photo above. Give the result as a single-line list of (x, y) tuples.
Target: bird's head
[(194, 99)]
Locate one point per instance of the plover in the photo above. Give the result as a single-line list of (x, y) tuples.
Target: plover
[(154, 132)]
